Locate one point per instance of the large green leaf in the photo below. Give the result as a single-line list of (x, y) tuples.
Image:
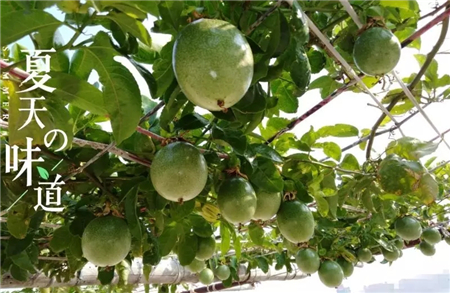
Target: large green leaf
[(18, 220), (76, 91), (326, 84), (17, 24), (411, 148), (121, 95), (132, 26), (266, 176), (187, 248)]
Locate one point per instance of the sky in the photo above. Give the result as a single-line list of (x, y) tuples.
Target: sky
[(351, 108)]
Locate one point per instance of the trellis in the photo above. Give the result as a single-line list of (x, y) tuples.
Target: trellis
[(169, 271)]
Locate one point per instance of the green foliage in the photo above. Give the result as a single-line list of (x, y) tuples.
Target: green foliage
[(353, 205)]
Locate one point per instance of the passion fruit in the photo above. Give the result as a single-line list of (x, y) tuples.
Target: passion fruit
[(237, 200), (106, 241), (331, 274), (295, 221), (307, 260), (206, 276), (267, 205), (179, 172), (408, 228), (223, 272), (206, 248), (213, 63), (431, 235), (364, 254), (376, 51), (427, 248)]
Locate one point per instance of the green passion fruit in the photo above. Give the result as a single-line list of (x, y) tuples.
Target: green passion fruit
[(213, 63), (376, 51), (295, 221), (106, 241), (237, 200), (179, 172)]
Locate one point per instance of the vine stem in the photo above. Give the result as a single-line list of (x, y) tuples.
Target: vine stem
[(91, 161), (85, 172), (263, 17), (436, 10), (416, 80), (150, 134), (344, 88), (394, 127), (153, 111)]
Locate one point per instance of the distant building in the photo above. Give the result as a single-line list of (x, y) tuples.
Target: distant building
[(380, 288)]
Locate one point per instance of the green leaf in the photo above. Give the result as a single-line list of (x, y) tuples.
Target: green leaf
[(266, 176), (190, 121), (76, 91), (121, 95), (333, 204), (187, 248), (18, 273), (237, 246), (284, 91), (407, 5), (170, 13), (43, 173), (263, 264), (105, 275), (350, 163), (256, 234), (132, 26), (18, 220), (22, 260), (36, 220), (179, 211), (75, 248), (176, 101), (200, 226), (326, 84), (265, 151), (322, 204), (411, 148), (61, 239), (432, 71), (131, 204), (254, 101), (18, 118), (331, 149), (367, 201), (407, 32), (82, 219), (317, 61), (152, 256), (30, 21), (310, 137), (338, 130), (225, 238), (300, 69), (167, 240), (236, 139), (16, 246), (163, 71)]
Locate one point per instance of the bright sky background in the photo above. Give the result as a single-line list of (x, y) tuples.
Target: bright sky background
[(352, 109)]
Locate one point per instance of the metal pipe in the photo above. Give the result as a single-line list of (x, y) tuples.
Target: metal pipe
[(168, 271)]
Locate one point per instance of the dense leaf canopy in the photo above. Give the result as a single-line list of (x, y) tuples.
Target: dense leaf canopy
[(356, 206)]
